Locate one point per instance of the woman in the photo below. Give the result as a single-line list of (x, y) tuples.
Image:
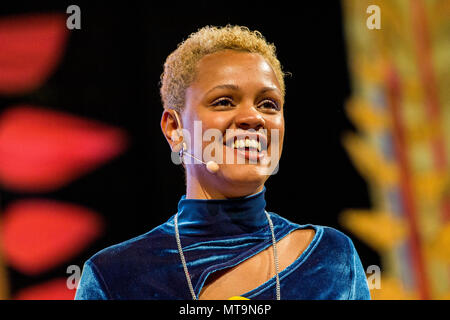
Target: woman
[(222, 243)]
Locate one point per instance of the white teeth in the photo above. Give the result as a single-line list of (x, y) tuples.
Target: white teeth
[(246, 143)]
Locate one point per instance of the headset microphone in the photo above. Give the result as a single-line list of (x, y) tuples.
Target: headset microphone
[(211, 166), (181, 148)]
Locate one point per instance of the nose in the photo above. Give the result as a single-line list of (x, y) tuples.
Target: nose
[(248, 117)]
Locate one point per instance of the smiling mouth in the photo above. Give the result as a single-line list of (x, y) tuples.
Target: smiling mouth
[(252, 149)]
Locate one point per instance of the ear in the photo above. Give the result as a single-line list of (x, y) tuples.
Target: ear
[(169, 127)]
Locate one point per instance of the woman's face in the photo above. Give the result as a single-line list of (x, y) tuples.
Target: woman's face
[(236, 93)]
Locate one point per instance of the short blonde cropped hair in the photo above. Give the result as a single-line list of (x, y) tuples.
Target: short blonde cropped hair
[(180, 65)]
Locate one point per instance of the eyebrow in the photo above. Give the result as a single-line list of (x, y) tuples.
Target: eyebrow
[(237, 88)]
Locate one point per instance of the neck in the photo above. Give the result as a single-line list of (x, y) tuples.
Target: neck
[(222, 217), (201, 190)]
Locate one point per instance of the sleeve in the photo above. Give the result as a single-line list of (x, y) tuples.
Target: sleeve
[(91, 285), (360, 288)]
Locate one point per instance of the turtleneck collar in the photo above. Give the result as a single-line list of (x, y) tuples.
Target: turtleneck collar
[(222, 217)]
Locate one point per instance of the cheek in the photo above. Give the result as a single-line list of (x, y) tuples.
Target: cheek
[(219, 122), (211, 120), (278, 124)]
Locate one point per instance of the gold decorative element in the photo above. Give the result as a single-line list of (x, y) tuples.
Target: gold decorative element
[(238, 298), (380, 230), (365, 117), (369, 162), (401, 110), (392, 289), (440, 246)]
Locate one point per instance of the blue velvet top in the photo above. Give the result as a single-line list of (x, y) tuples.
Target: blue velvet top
[(218, 234)]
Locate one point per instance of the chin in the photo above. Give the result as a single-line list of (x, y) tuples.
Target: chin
[(242, 175)]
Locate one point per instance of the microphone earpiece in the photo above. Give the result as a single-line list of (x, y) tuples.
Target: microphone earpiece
[(211, 166), (181, 148), (175, 138)]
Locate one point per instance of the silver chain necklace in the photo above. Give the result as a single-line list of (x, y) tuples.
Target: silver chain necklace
[(186, 272)]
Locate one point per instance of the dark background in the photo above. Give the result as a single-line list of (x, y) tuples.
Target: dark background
[(110, 72)]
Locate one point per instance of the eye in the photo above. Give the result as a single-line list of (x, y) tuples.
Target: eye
[(269, 104), (223, 102)]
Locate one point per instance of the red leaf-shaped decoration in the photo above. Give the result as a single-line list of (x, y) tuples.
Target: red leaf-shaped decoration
[(53, 290), (39, 234), (30, 48), (41, 150)]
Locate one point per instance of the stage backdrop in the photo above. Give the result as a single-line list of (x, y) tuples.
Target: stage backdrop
[(400, 104), (83, 162)]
